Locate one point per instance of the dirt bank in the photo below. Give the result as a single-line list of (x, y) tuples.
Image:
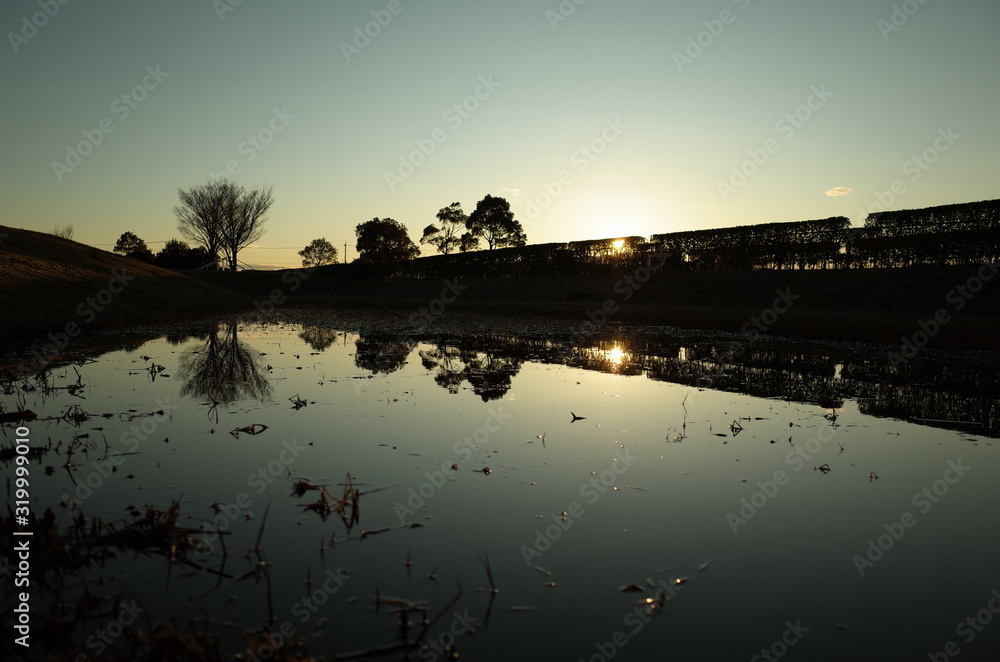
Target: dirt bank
[(52, 285)]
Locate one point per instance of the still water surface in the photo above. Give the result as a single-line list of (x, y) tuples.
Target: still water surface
[(742, 504)]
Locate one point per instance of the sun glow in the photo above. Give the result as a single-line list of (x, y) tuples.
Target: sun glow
[(615, 213), (618, 244)]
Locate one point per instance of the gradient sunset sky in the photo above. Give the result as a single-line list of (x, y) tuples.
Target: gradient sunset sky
[(642, 109)]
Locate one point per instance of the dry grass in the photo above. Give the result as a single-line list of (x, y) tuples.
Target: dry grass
[(44, 280)]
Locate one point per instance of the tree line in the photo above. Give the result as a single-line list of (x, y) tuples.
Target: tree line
[(938, 236), (966, 233), (492, 222), (797, 244), (175, 254), (221, 218), (955, 234)]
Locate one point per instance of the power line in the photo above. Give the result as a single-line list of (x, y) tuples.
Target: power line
[(258, 248), (147, 243)]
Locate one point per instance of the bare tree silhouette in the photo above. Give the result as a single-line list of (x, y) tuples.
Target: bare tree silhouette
[(224, 217)]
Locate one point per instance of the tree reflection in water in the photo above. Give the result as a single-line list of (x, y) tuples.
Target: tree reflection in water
[(956, 394), (319, 337), (179, 337), (383, 355), (224, 370), (951, 394), (489, 373)]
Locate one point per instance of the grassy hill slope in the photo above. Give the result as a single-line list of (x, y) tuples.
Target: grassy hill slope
[(47, 282)]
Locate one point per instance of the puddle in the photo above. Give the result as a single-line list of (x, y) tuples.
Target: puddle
[(504, 497)]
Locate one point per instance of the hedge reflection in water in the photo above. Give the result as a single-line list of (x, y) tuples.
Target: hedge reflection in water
[(955, 394)]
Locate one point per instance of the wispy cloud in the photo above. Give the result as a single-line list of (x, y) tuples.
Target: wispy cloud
[(511, 191), (838, 191)]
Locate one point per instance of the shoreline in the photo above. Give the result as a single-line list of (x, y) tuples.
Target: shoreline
[(975, 331), (53, 290)]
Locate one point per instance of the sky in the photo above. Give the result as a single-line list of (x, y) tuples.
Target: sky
[(593, 118)]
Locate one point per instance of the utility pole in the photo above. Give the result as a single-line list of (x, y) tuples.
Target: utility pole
[(345, 252)]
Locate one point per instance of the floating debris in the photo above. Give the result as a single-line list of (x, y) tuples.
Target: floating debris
[(347, 506), (154, 370), (256, 428), (485, 560), (300, 487), (372, 532)]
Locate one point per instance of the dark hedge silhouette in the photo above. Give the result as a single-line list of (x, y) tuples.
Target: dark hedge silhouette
[(948, 235)]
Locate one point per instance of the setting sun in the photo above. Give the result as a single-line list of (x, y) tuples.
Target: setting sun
[(612, 212)]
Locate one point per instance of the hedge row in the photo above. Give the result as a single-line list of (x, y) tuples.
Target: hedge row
[(950, 234), (947, 235)]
